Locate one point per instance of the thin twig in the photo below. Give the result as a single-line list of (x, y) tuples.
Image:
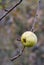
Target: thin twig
[(35, 18), (10, 10), (15, 57), (33, 26)]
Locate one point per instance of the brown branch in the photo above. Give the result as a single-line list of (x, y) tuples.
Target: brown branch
[(15, 57), (33, 26), (10, 10), (35, 18)]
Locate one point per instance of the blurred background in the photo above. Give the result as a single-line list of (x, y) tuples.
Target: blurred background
[(13, 25)]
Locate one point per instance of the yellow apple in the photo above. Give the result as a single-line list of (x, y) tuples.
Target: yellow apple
[(28, 39)]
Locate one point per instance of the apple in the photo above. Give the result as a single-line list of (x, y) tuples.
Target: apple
[(29, 39)]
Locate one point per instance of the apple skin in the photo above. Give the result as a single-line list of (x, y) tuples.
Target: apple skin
[(29, 39)]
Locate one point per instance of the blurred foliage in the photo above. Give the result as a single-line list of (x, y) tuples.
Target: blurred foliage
[(13, 25)]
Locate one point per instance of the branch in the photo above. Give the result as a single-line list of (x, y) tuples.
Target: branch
[(10, 10), (32, 29), (15, 57), (35, 18)]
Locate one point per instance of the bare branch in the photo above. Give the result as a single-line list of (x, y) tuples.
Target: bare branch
[(15, 57), (10, 10), (35, 18)]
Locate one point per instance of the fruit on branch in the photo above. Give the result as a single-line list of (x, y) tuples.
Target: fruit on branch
[(29, 39)]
